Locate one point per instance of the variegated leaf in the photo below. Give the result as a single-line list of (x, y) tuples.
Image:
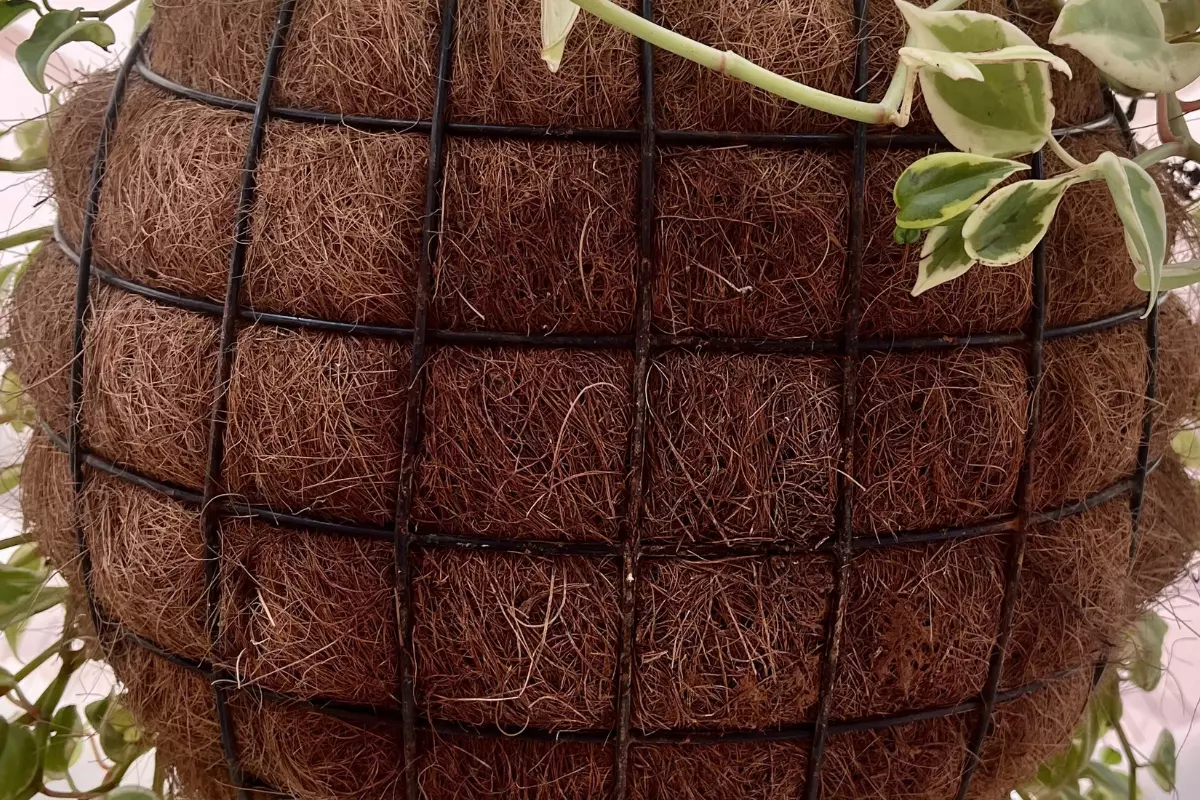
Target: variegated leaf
[(943, 185), (1127, 40), (944, 256), (952, 65), (1143, 213), (558, 17), (960, 66), (1010, 112), (1008, 225), (1174, 276)]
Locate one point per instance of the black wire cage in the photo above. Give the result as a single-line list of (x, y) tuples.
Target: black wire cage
[(631, 549)]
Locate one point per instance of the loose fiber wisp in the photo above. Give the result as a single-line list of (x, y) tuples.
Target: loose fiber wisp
[(566, 415)]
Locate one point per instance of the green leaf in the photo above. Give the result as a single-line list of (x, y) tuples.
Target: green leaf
[(18, 762), (1162, 762), (8, 682), (1142, 211), (1127, 39), (10, 478), (142, 16), (942, 186), (1174, 276), (12, 395), (66, 742), (32, 137), (558, 17), (131, 793), (1007, 226), (12, 634), (1010, 111), (52, 31), (905, 235), (97, 710), (943, 256), (9, 11), (1180, 16), (120, 737), (1108, 699), (1113, 783), (44, 599), (1110, 756), (28, 556), (1187, 445), (18, 583)]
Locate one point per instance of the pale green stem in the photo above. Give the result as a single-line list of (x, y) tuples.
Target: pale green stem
[(1129, 756), (730, 63), (1063, 155), (1161, 153), (22, 164), (23, 237), (105, 13)]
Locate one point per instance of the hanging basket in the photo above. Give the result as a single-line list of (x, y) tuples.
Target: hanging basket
[(438, 427)]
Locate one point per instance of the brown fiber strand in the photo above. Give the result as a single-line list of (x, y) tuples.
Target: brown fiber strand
[(556, 251)]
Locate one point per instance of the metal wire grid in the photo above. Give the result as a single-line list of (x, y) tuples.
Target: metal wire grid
[(630, 547)]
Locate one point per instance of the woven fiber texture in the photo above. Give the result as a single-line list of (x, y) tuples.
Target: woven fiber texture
[(436, 427)]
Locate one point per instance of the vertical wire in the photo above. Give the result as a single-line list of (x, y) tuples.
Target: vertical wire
[(1024, 497), (213, 506), (844, 510), (83, 279), (635, 475), (403, 532)]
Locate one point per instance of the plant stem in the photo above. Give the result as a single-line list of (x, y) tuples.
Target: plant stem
[(13, 541), (112, 781), (105, 13), (1063, 155), (730, 63), (1129, 756), (39, 659), (22, 164), (23, 237), (1161, 153)]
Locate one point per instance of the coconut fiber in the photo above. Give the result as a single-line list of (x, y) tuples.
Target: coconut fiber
[(727, 470)]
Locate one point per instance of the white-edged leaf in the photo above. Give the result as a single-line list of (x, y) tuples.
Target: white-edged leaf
[(1174, 276), (558, 17), (1162, 761), (1127, 39), (1010, 112), (1008, 225), (952, 65), (943, 256), (1143, 213), (942, 186), (53, 30), (960, 66)]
